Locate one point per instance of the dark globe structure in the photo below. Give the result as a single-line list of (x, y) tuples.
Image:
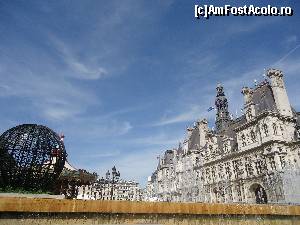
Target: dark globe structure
[(31, 157)]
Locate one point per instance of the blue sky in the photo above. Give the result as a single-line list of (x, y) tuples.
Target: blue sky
[(123, 79)]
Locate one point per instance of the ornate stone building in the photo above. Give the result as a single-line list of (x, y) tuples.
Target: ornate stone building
[(122, 190), (253, 158)]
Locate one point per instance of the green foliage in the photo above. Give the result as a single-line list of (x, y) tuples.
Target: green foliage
[(10, 189)]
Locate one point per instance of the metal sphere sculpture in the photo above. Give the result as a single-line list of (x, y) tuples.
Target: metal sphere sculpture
[(31, 157)]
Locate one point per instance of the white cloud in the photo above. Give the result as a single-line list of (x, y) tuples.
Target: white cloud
[(79, 69), (191, 114), (163, 139), (94, 128), (107, 154)]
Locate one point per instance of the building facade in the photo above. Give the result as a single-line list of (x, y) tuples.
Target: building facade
[(252, 159), (121, 190)]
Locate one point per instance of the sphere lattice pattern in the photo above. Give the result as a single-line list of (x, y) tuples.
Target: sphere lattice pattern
[(31, 157)]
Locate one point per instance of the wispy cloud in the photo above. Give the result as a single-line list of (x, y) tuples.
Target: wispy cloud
[(80, 69), (106, 154), (162, 139), (285, 56), (94, 128), (191, 114), (52, 98)]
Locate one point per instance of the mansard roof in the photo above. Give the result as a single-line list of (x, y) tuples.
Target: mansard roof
[(263, 98), (167, 159), (297, 115), (194, 140)]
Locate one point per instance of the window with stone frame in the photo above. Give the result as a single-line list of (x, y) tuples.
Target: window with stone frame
[(220, 171), (202, 176), (207, 174), (243, 137), (213, 173), (229, 192), (225, 147), (272, 163), (210, 147), (249, 167), (282, 161), (282, 129), (265, 128), (259, 167), (275, 129), (249, 114), (239, 193), (227, 170), (235, 168), (253, 136)]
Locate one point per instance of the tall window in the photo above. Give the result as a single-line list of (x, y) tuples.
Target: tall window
[(221, 176), (275, 128), (265, 128), (258, 166), (249, 168), (253, 136), (249, 113), (213, 173), (235, 168), (227, 170), (243, 140), (207, 174), (225, 146), (272, 163), (282, 161)]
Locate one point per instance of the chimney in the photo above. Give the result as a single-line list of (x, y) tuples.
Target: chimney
[(203, 129)]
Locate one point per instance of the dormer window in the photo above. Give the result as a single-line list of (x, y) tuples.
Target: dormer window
[(274, 129), (249, 114), (253, 136), (225, 146), (243, 140), (265, 128)]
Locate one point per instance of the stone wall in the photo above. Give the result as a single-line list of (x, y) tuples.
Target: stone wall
[(33, 211)]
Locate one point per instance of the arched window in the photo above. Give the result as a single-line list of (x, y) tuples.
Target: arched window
[(265, 128), (274, 128)]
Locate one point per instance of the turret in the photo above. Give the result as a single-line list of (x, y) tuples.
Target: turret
[(280, 95), (222, 117)]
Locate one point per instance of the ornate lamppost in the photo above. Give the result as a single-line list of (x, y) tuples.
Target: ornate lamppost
[(112, 178)]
